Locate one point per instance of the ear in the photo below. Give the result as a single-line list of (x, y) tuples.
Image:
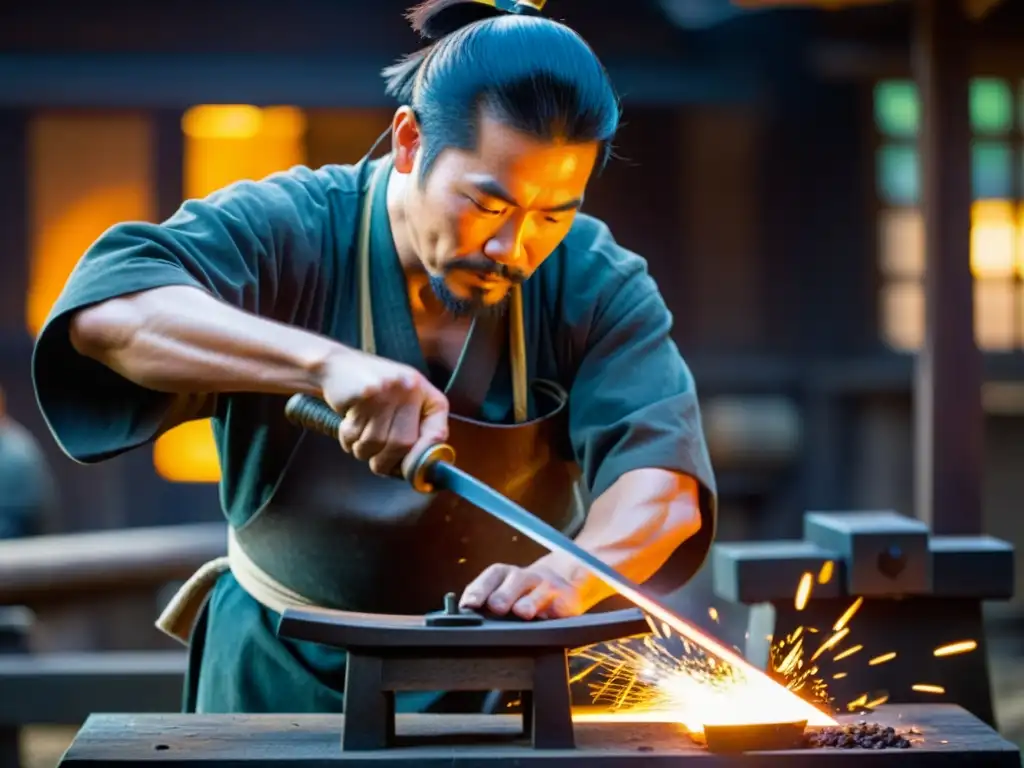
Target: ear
[(405, 139)]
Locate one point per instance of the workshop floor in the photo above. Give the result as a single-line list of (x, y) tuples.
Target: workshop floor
[(42, 746)]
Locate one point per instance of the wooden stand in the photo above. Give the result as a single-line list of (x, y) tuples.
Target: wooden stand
[(453, 651), (372, 681)]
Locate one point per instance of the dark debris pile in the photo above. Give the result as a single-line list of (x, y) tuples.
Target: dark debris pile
[(859, 735)]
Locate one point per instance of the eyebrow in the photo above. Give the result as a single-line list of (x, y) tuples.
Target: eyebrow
[(492, 188)]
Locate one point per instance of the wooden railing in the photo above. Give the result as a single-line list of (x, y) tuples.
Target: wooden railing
[(53, 569)]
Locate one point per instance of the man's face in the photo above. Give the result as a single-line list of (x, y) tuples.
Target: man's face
[(487, 219)]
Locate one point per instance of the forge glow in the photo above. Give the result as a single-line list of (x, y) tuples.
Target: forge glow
[(680, 675)]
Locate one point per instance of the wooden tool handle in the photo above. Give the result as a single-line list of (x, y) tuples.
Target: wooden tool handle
[(315, 415)]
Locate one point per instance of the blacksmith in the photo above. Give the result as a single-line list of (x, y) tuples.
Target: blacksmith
[(450, 290)]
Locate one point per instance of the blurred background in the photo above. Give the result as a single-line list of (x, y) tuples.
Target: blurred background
[(768, 168)]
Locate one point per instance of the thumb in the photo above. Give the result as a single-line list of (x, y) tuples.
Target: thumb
[(434, 418), (433, 429)]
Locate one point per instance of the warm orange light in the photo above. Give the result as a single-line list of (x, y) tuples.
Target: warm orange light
[(225, 143), (993, 238), (87, 172), (188, 454)]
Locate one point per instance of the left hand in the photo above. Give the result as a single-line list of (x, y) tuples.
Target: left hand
[(537, 591)]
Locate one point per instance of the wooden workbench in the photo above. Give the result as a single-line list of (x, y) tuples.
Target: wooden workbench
[(949, 736)]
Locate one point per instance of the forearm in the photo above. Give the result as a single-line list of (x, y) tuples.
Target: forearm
[(180, 339), (634, 527)]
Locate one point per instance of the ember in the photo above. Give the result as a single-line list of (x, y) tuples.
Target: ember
[(862, 735)]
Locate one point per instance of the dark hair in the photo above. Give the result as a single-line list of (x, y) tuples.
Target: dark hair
[(531, 73)]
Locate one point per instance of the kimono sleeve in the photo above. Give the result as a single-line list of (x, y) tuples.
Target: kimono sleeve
[(253, 245), (633, 405)]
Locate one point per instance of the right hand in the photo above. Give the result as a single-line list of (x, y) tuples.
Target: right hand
[(390, 412)]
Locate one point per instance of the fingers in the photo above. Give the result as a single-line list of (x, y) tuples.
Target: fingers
[(476, 594), (529, 593), (352, 425), (394, 422), (517, 584), (536, 603), (404, 430), (502, 588)]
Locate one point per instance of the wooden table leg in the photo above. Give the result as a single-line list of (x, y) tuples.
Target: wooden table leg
[(369, 710)]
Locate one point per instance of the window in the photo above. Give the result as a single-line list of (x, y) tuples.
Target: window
[(224, 144), (87, 171), (997, 214)]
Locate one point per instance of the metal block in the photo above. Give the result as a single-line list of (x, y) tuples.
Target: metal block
[(885, 553), (972, 566), (757, 572)]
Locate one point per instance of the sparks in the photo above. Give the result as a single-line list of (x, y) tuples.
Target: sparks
[(926, 688), (964, 646), (825, 574), (857, 703), (843, 620), (848, 652), (882, 659), (838, 675), (831, 642), (875, 703), (803, 591), (713, 613)]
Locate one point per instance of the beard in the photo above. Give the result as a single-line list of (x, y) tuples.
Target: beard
[(475, 305)]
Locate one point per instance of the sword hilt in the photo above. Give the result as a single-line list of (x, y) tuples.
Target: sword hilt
[(313, 414)]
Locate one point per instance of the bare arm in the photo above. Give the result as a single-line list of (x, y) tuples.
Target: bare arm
[(182, 340), (634, 527)]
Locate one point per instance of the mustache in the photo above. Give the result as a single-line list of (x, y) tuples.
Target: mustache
[(486, 267)]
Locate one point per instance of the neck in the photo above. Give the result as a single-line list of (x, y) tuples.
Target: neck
[(398, 218)]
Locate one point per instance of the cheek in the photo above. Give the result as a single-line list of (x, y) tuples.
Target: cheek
[(545, 238)]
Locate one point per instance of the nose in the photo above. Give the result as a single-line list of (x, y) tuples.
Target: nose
[(506, 245)]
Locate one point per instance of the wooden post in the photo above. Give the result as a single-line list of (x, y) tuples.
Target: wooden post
[(949, 419)]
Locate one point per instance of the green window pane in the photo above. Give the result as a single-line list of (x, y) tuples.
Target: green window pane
[(898, 175), (991, 170), (897, 107), (991, 106)]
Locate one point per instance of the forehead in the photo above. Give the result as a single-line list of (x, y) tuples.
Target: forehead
[(529, 166)]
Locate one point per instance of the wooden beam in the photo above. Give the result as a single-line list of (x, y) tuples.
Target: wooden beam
[(65, 688), (179, 80), (46, 569), (949, 417)]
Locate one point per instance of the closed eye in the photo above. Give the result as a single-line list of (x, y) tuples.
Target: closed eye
[(483, 208)]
